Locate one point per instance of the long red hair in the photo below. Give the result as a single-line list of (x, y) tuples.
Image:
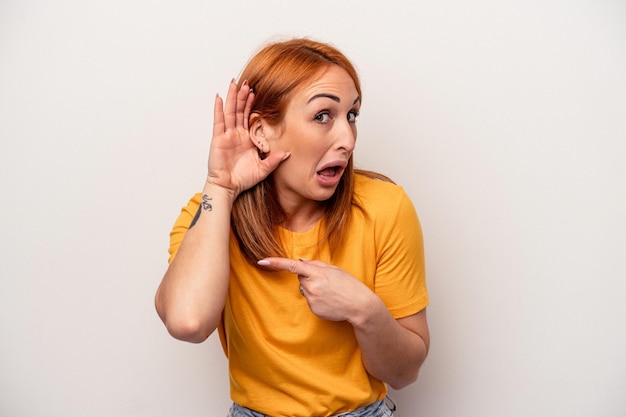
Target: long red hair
[(274, 73)]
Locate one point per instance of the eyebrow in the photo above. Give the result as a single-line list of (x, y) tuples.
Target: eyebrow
[(332, 97)]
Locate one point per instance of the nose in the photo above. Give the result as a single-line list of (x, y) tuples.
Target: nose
[(346, 137)]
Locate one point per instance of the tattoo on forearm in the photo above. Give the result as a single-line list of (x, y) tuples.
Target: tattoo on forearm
[(204, 205)]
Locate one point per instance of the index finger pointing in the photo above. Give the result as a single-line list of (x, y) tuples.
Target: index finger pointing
[(291, 265)]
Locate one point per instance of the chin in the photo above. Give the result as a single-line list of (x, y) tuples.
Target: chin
[(325, 194)]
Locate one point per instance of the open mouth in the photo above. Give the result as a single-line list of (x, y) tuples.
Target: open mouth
[(330, 172)]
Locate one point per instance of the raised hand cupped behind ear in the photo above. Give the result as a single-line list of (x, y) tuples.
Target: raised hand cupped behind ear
[(235, 163)]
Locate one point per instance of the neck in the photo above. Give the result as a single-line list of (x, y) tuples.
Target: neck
[(302, 217)]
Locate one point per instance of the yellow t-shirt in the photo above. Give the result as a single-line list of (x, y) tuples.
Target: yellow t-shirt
[(284, 360)]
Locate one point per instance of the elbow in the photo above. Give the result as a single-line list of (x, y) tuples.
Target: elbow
[(192, 331), (408, 374), (403, 380), (183, 327)]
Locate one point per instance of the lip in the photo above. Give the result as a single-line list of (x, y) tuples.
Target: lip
[(340, 165)]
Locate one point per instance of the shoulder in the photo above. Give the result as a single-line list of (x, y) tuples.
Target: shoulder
[(378, 196), (384, 205)]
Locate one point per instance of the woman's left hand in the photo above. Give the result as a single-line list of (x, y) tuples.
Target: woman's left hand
[(392, 349), (332, 293)]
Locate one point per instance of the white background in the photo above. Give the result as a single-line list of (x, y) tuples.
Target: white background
[(504, 120)]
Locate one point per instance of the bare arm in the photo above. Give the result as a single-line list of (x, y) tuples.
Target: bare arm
[(393, 350), (193, 291)]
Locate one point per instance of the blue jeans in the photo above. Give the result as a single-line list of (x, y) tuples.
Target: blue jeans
[(377, 409)]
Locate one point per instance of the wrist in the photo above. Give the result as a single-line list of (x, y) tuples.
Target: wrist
[(214, 190), (367, 313)]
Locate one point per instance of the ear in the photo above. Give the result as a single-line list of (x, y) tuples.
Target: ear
[(261, 133)]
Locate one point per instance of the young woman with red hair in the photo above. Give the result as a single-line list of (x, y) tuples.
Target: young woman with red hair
[(311, 271)]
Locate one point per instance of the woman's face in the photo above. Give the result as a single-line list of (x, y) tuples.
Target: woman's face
[(319, 130)]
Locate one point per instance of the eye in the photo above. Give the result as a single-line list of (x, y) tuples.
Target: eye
[(352, 115), (322, 117)]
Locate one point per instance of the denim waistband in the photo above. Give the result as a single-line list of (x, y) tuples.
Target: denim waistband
[(381, 408)]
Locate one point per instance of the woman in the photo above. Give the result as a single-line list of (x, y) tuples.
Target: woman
[(312, 273)]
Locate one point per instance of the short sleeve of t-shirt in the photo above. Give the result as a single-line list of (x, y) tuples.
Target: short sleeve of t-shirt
[(400, 272), (182, 225)]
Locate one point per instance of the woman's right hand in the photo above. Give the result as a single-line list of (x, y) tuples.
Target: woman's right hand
[(234, 161)]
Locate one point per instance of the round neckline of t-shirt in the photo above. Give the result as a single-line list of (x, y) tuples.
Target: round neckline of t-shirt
[(306, 238)]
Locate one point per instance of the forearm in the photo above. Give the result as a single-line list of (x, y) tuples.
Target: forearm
[(392, 352), (192, 293)]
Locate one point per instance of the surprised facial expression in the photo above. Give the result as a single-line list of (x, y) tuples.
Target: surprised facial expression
[(319, 129)]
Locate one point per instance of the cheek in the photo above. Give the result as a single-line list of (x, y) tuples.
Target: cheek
[(306, 145)]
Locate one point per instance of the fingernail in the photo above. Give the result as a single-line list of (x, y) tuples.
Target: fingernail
[(287, 155), (263, 262), (244, 83)]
